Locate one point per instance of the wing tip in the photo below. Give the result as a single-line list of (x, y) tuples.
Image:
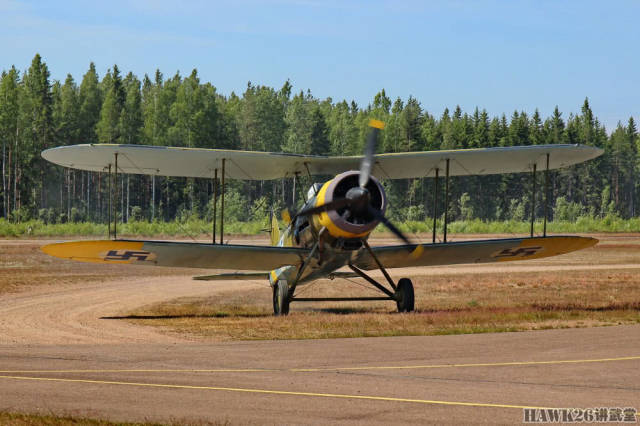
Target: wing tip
[(50, 249), (590, 241), (417, 252)]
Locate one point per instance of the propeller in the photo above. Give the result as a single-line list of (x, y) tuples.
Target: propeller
[(357, 199), (333, 205), (370, 149)]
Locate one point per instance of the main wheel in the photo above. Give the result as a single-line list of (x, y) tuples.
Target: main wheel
[(404, 295), (281, 298)]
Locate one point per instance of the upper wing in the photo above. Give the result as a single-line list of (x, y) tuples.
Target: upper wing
[(188, 255), (484, 251), (252, 165)]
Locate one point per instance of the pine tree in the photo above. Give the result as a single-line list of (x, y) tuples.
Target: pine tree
[(90, 101), (554, 127), (184, 111), (261, 123), (392, 134), (210, 120), (319, 133), (299, 125), (381, 105), (587, 130), (9, 92), (342, 130), (519, 129), (108, 127), (36, 122), (536, 129), (68, 122), (431, 136), (455, 135), (157, 98), (131, 120)]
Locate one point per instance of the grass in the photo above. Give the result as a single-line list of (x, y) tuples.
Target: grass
[(225, 322), (454, 301), (583, 224), (199, 227), (193, 228), (305, 325), (21, 419)]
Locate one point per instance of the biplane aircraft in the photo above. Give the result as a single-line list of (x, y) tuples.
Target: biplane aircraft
[(331, 230)]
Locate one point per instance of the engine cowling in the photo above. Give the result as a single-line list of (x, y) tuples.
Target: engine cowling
[(346, 222)]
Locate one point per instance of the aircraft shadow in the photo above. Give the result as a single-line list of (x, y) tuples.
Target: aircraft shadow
[(159, 317), (344, 311)]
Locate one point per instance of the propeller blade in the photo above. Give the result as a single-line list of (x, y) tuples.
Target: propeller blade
[(370, 149), (415, 253), (333, 205), (379, 216)]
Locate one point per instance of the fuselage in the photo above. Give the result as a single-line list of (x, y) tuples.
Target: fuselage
[(338, 235)]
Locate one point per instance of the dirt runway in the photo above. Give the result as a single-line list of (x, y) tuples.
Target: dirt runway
[(75, 314)]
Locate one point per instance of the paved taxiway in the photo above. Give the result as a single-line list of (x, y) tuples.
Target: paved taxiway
[(439, 379)]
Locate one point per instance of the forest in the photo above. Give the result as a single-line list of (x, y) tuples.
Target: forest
[(37, 113)]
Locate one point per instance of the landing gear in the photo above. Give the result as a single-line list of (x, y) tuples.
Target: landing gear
[(401, 293), (281, 298), (404, 295)]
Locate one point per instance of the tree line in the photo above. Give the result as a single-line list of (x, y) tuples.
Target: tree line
[(37, 113)]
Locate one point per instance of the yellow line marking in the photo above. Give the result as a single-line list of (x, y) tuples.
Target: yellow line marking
[(276, 392), (491, 364), (216, 370), (297, 370)]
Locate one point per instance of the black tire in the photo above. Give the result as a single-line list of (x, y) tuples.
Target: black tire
[(404, 295), (281, 298)]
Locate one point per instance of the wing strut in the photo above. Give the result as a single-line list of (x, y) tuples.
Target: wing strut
[(109, 209), (224, 160), (115, 201), (435, 206), (533, 197), (293, 194), (215, 201), (446, 202), (153, 198), (546, 196)]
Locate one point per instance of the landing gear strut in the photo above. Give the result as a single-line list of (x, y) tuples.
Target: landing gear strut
[(281, 298)]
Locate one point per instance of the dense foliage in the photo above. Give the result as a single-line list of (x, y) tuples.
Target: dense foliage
[(37, 113)]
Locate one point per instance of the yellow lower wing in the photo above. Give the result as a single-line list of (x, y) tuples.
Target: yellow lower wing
[(482, 251), (177, 254)]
